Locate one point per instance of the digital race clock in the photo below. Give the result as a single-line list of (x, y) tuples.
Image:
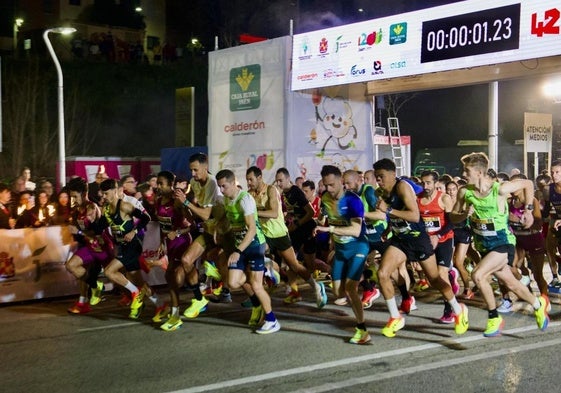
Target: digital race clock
[(487, 31)]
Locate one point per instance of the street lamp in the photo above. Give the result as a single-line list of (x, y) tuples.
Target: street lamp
[(61, 137)]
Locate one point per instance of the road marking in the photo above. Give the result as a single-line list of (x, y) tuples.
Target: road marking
[(400, 372), (380, 355)]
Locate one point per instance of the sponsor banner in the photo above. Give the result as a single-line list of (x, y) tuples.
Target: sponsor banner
[(32, 262), (460, 35), (328, 126), (247, 86), (538, 132)]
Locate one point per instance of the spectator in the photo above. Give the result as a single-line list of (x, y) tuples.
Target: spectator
[(47, 187), (63, 209), (40, 215), (6, 220), (94, 193), (26, 174)]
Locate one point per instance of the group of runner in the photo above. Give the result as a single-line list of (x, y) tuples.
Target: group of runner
[(374, 213)]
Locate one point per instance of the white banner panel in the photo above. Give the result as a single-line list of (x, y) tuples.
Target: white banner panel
[(460, 35), (329, 126), (538, 132), (246, 91)]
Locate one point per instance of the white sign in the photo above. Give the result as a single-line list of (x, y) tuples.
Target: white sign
[(461, 35), (538, 132)]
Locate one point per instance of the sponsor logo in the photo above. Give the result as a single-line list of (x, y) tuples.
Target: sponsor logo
[(357, 70), (305, 49), (340, 44), (377, 67), (331, 73), (307, 77), (245, 88), (323, 46), (398, 64), (367, 40), (398, 33)]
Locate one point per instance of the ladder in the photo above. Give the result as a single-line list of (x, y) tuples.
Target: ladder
[(395, 145)]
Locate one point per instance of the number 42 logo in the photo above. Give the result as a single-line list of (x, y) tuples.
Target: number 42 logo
[(549, 25)]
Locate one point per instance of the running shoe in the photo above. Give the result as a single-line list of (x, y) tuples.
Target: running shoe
[(196, 307), (393, 325), (542, 319), (80, 308), (368, 297), (462, 320), (453, 276), (269, 327), (225, 297), (137, 304), (135, 312), (422, 285), (494, 327), (173, 323), (161, 313), (257, 315), (448, 317), (96, 293), (212, 271), (247, 303), (321, 296), (505, 307), (342, 301), (293, 297), (360, 337), (467, 294), (408, 305)]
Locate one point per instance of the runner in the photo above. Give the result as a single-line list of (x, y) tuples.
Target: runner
[(244, 243), (345, 214), (484, 202), (410, 241), (271, 221)]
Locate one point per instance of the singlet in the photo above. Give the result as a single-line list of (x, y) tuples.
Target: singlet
[(295, 203), (554, 203), (517, 228), (272, 227), (119, 227), (401, 228), (169, 218), (208, 195), (340, 212), (489, 225), (236, 210), (374, 228), (434, 217)]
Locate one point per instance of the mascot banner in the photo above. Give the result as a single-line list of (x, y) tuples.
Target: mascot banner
[(329, 126), (246, 91)]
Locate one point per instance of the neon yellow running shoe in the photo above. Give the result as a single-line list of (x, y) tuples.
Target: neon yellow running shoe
[(96, 294), (542, 319), (494, 327), (257, 315), (137, 300), (360, 337), (212, 271), (393, 325), (172, 324), (196, 307), (461, 320)]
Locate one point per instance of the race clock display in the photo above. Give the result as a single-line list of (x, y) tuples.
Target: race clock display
[(486, 31)]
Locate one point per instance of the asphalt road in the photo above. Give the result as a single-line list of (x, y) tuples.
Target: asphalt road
[(45, 349)]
